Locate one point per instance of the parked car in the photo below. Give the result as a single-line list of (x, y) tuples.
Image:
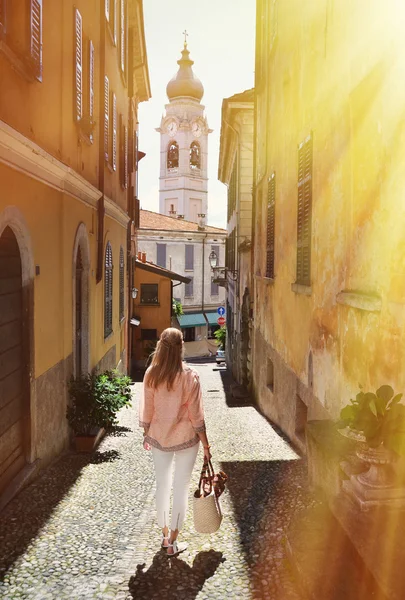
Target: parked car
[(220, 356)]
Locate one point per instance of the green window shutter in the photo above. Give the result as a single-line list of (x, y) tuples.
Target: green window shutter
[(270, 238), (304, 212), (106, 116), (78, 108), (36, 37)]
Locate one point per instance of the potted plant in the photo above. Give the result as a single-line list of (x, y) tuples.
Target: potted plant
[(96, 400), (377, 421), (85, 416)]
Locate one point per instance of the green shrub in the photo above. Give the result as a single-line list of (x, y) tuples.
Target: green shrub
[(96, 400), (379, 417)]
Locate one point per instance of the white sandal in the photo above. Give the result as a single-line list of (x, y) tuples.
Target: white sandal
[(164, 537), (177, 548)]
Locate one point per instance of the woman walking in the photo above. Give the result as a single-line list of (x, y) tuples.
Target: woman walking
[(172, 415)]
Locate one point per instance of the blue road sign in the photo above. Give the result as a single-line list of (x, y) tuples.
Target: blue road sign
[(221, 311)]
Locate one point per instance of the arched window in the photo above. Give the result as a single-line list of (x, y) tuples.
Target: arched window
[(195, 156), (108, 290), (173, 155), (121, 284)]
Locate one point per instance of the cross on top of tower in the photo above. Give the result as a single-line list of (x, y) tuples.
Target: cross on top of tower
[(185, 37)]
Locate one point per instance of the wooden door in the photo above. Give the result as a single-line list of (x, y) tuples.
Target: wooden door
[(13, 372), (79, 312)]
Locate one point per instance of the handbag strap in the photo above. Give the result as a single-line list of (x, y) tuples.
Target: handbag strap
[(207, 474)]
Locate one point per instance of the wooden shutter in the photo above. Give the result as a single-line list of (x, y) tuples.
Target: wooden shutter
[(78, 66), (161, 255), (304, 213), (126, 157), (122, 267), (36, 36), (189, 258), (91, 80), (106, 116), (270, 241), (2, 17), (189, 291), (115, 20), (108, 290), (122, 37), (114, 136)]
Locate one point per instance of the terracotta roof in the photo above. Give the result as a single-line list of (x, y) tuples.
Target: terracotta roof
[(152, 220), (147, 266)]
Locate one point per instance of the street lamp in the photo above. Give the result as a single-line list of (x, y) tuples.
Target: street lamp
[(213, 260), (134, 292)]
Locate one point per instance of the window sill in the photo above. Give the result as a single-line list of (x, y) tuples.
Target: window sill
[(360, 300), (268, 280), (299, 288), (18, 63), (149, 304), (189, 270), (189, 297)]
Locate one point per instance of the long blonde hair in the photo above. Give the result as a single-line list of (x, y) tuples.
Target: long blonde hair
[(167, 359)]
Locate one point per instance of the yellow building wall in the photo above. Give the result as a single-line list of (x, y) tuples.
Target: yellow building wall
[(337, 72)]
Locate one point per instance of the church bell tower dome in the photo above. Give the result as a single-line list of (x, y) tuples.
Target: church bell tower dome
[(185, 83)]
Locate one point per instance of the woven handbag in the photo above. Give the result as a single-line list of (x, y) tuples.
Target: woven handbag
[(206, 506)]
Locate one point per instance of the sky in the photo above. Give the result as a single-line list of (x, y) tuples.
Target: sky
[(221, 39)]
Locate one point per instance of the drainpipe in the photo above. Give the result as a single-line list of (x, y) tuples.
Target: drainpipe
[(100, 206)]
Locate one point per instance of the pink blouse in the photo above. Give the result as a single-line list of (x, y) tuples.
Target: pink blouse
[(173, 418)]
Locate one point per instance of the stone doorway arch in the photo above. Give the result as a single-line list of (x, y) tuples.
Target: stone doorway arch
[(16, 346), (80, 304)]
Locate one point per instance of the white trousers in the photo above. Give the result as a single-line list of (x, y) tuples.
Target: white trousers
[(184, 461)]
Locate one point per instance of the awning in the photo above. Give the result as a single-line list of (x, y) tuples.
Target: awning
[(212, 317), (191, 320)]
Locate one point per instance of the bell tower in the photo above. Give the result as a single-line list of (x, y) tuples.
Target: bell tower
[(183, 181)]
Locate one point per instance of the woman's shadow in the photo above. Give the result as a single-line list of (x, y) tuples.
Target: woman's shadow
[(173, 578)]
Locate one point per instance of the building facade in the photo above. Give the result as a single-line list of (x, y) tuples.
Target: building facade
[(184, 247), (71, 82), (236, 172), (328, 215), (152, 308)]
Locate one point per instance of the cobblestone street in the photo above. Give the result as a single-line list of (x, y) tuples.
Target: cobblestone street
[(86, 528)]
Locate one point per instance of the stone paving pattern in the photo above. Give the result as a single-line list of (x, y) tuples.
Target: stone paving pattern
[(86, 528)]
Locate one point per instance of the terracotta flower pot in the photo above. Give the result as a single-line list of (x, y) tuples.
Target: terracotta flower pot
[(87, 443)]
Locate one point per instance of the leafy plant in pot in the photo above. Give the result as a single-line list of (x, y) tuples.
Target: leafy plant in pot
[(96, 400), (86, 416), (378, 421)]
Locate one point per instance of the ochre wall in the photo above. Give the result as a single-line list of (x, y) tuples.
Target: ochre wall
[(152, 316), (319, 75)]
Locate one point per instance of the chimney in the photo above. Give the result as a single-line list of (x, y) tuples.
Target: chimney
[(143, 257)]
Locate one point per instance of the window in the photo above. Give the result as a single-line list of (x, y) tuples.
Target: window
[(214, 288), (149, 293), (270, 235), (122, 279), (114, 132), (189, 334), (270, 375), (111, 17), (21, 30), (161, 255), (108, 290), (172, 210), (173, 156), (149, 334), (106, 117), (124, 162), (123, 44), (230, 250), (232, 191), (78, 65), (189, 258), (195, 156), (304, 213), (189, 289)]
